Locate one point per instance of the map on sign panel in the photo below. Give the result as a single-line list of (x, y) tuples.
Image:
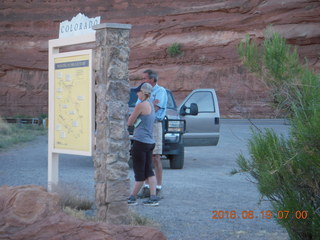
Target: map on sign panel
[(72, 103)]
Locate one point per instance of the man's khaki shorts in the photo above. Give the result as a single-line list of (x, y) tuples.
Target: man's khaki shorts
[(157, 136)]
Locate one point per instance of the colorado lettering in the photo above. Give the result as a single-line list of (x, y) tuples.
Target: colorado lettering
[(78, 26)]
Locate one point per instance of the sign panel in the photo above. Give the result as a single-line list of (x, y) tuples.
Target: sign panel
[(79, 25), (73, 101)]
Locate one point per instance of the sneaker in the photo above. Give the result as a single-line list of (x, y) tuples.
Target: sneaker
[(144, 193), (159, 193), (132, 201), (151, 202)]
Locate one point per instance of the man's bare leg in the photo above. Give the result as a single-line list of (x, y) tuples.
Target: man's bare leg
[(158, 168)]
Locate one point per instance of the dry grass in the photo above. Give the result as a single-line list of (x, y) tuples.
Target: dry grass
[(138, 220), (134, 218), (72, 196), (74, 203), (4, 127), (12, 134), (76, 213)]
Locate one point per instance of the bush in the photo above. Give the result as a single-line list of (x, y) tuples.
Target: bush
[(174, 50), (287, 170)]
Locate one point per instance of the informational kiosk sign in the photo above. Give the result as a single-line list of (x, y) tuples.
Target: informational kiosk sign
[(73, 102), (71, 98)]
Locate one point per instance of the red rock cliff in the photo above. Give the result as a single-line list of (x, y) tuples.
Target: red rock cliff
[(209, 31)]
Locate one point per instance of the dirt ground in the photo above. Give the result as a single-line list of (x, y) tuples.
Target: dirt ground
[(192, 196)]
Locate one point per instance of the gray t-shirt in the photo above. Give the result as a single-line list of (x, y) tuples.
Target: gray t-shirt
[(144, 131)]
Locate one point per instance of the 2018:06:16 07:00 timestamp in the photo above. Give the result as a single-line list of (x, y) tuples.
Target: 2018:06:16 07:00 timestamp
[(249, 214)]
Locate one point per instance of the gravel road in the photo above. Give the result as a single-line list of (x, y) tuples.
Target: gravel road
[(190, 195)]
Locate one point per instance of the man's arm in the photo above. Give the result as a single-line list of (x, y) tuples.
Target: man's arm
[(160, 103), (156, 107), (161, 98)]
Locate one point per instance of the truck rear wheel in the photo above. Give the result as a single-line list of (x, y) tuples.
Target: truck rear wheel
[(177, 161)]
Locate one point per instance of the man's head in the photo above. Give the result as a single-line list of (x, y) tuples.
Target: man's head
[(150, 77)]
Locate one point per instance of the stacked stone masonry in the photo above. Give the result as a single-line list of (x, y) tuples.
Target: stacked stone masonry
[(112, 139)]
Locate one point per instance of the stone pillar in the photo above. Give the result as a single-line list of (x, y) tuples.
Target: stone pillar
[(112, 185)]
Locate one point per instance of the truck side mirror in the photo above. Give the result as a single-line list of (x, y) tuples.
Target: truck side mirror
[(192, 110)]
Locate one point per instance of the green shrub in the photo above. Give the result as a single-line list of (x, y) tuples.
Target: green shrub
[(174, 50), (287, 170)]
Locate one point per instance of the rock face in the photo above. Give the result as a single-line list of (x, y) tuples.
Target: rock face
[(209, 31), (29, 212)]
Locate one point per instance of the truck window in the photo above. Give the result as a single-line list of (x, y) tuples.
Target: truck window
[(203, 99), (133, 98), (170, 105)]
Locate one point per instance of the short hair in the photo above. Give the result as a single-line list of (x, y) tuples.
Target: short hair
[(151, 74)]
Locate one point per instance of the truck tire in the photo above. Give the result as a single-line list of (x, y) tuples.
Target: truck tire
[(177, 161)]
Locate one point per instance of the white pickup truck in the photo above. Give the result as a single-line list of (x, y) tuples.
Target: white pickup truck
[(196, 122)]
